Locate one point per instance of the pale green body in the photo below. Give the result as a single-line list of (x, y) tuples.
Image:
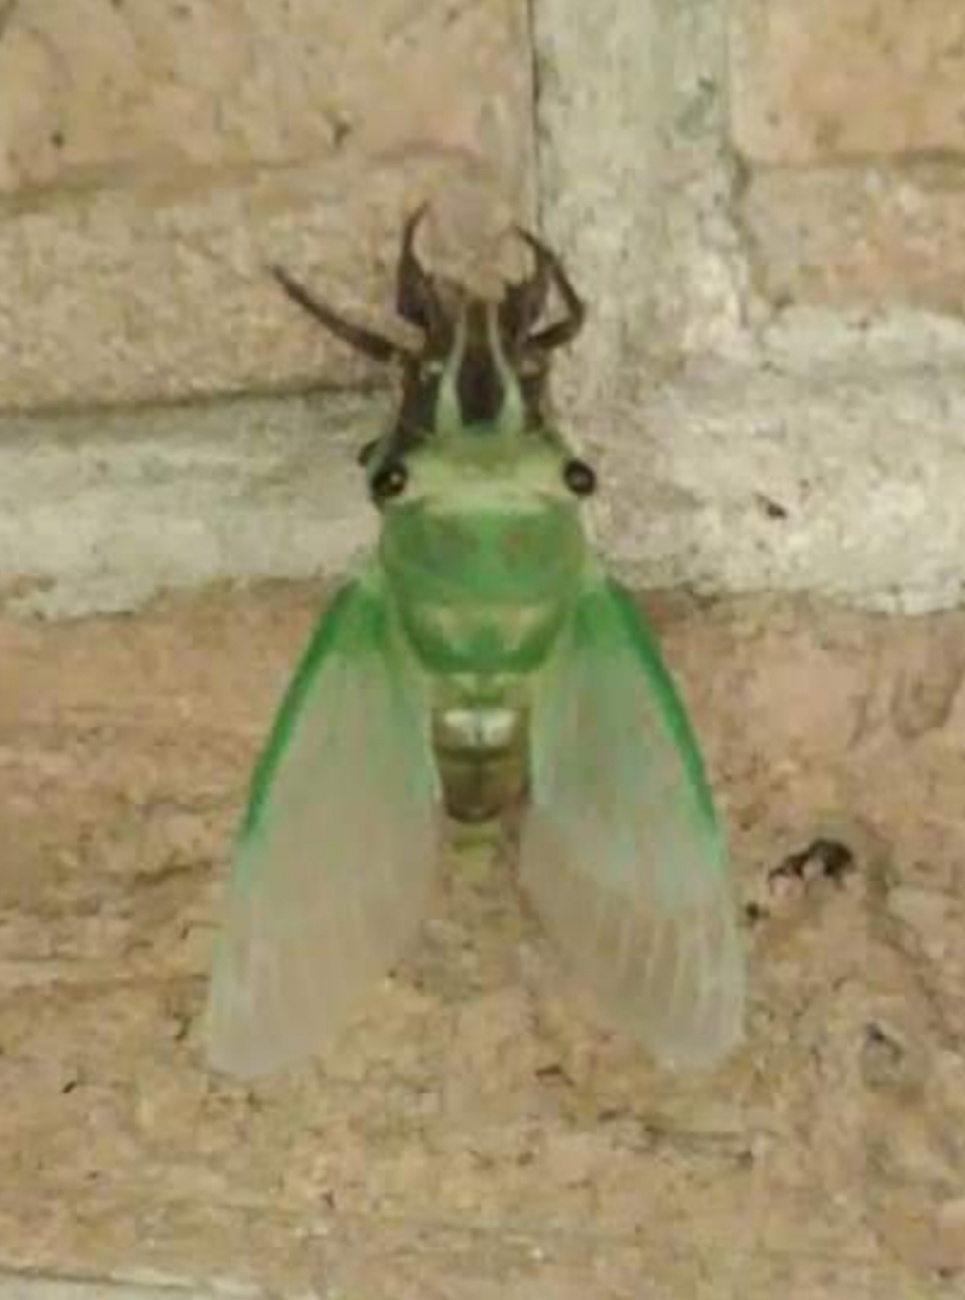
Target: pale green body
[(483, 561)]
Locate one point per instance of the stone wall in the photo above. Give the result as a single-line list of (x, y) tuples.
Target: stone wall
[(850, 120), (775, 386), (761, 202), (154, 156)]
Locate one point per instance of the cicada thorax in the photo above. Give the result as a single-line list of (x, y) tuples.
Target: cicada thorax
[(482, 572), (482, 580), (480, 593), (483, 564)]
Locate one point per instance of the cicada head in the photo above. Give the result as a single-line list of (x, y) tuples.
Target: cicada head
[(478, 379), (481, 539)]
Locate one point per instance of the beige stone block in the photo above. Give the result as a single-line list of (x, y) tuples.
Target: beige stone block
[(821, 79), (161, 291), (90, 88), (859, 237), (192, 144)]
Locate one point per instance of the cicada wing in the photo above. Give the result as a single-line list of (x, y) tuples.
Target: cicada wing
[(334, 862), (621, 852)]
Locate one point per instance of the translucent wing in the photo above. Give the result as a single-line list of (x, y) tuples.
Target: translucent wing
[(621, 851), (335, 859)]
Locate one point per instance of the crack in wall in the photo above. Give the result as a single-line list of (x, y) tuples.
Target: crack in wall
[(536, 92)]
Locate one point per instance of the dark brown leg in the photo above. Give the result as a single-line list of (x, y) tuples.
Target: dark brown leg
[(524, 301), (366, 341), (415, 294), (562, 331)]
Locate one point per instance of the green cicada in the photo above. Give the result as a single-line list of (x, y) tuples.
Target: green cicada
[(481, 657)]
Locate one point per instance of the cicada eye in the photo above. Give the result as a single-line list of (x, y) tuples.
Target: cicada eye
[(579, 477), (389, 480)]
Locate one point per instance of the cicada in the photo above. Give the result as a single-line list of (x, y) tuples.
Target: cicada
[(481, 657)]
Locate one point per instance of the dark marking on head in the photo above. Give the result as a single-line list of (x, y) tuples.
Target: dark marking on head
[(444, 313), (479, 383)]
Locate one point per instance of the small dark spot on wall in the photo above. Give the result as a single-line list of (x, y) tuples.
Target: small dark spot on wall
[(822, 858), (341, 130), (553, 1073), (773, 509)]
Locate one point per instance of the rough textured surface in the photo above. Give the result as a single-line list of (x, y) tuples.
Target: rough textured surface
[(91, 89), (818, 81), (102, 512), (132, 246), (756, 318), (599, 155), (635, 183), (479, 1134), (865, 236), (850, 120), (779, 475), (17, 1286)]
